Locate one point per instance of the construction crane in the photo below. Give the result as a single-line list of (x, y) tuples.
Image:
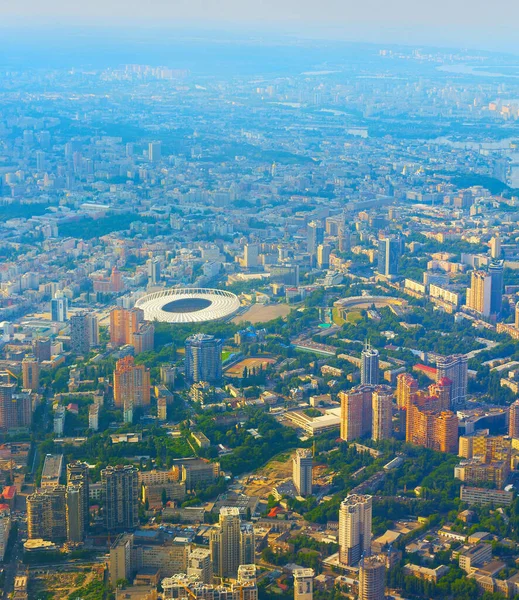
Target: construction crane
[(9, 375), (190, 593)]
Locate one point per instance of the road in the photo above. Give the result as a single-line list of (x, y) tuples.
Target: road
[(14, 566)]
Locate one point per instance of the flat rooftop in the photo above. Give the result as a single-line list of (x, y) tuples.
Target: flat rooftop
[(52, 468)]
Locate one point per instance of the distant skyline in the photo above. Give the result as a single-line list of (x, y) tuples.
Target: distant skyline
[(477, 24)]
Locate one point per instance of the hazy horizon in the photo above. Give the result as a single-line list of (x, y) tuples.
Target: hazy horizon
[(444, 23)]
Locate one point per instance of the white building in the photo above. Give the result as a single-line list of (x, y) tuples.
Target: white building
[(303, 584), (302, 472), (93, 417), (355, 516), (59, 421)]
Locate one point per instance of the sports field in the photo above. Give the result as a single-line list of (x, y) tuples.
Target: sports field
[(262, 313), (257, 362)]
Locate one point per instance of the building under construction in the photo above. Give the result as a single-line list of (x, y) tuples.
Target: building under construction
[(191, 588)]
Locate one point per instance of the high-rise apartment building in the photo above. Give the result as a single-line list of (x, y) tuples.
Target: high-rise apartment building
[(389, 250), (455, 368), (367, 410), (495, 246), (430, 426), (247, 544), (167, 375), (93, 417), (314, 237), (356, 412), (131, 386), (59, 309), (513, 422), (79, 334), (84, 332), (78, 474), (303, 584), (372, 578), (445, 432), (479, 293), (382, 413), (122, 562), (154, 152), (41, 161), (355, 518), (485, 447), (225, 543), (442, 390), (203, 358), (496, 270), (302, 472), (143, 340), (250, 256), (15, 408), (121, 496), (199, 565), (344, 239), (406, 387), (46, 514), (231, 543), (116, 283), (127, 326), (30, 374), (323, 255), (42, 349), (123, 323), (369, 370), (75, 512), (93, 330), (153, 269), (477, 471)]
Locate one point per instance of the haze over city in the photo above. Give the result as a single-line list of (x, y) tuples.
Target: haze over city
[(479, 24), (259, 300)]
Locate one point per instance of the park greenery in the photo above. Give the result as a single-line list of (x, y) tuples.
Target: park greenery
[(88, 228)]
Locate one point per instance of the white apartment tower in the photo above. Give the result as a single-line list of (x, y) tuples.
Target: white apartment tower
[(355, 517), (382, 412), (302, 472)]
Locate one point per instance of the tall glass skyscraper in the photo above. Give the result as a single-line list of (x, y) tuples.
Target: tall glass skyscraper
[(369, 371), (389, 251), (203, 358), (495, 270)]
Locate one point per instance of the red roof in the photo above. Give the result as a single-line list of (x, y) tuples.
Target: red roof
[(9, 492), (4, 507), (275, 511), (445, 381), (425, 368)]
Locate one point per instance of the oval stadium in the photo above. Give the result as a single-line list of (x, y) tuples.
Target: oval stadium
[(188, 305)]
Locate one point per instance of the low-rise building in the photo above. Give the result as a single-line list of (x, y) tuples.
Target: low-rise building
[(474, 556), (426, 573), (477, 495)]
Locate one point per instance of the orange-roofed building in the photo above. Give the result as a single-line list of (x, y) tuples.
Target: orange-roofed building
[(428, 371), (9, 495)]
